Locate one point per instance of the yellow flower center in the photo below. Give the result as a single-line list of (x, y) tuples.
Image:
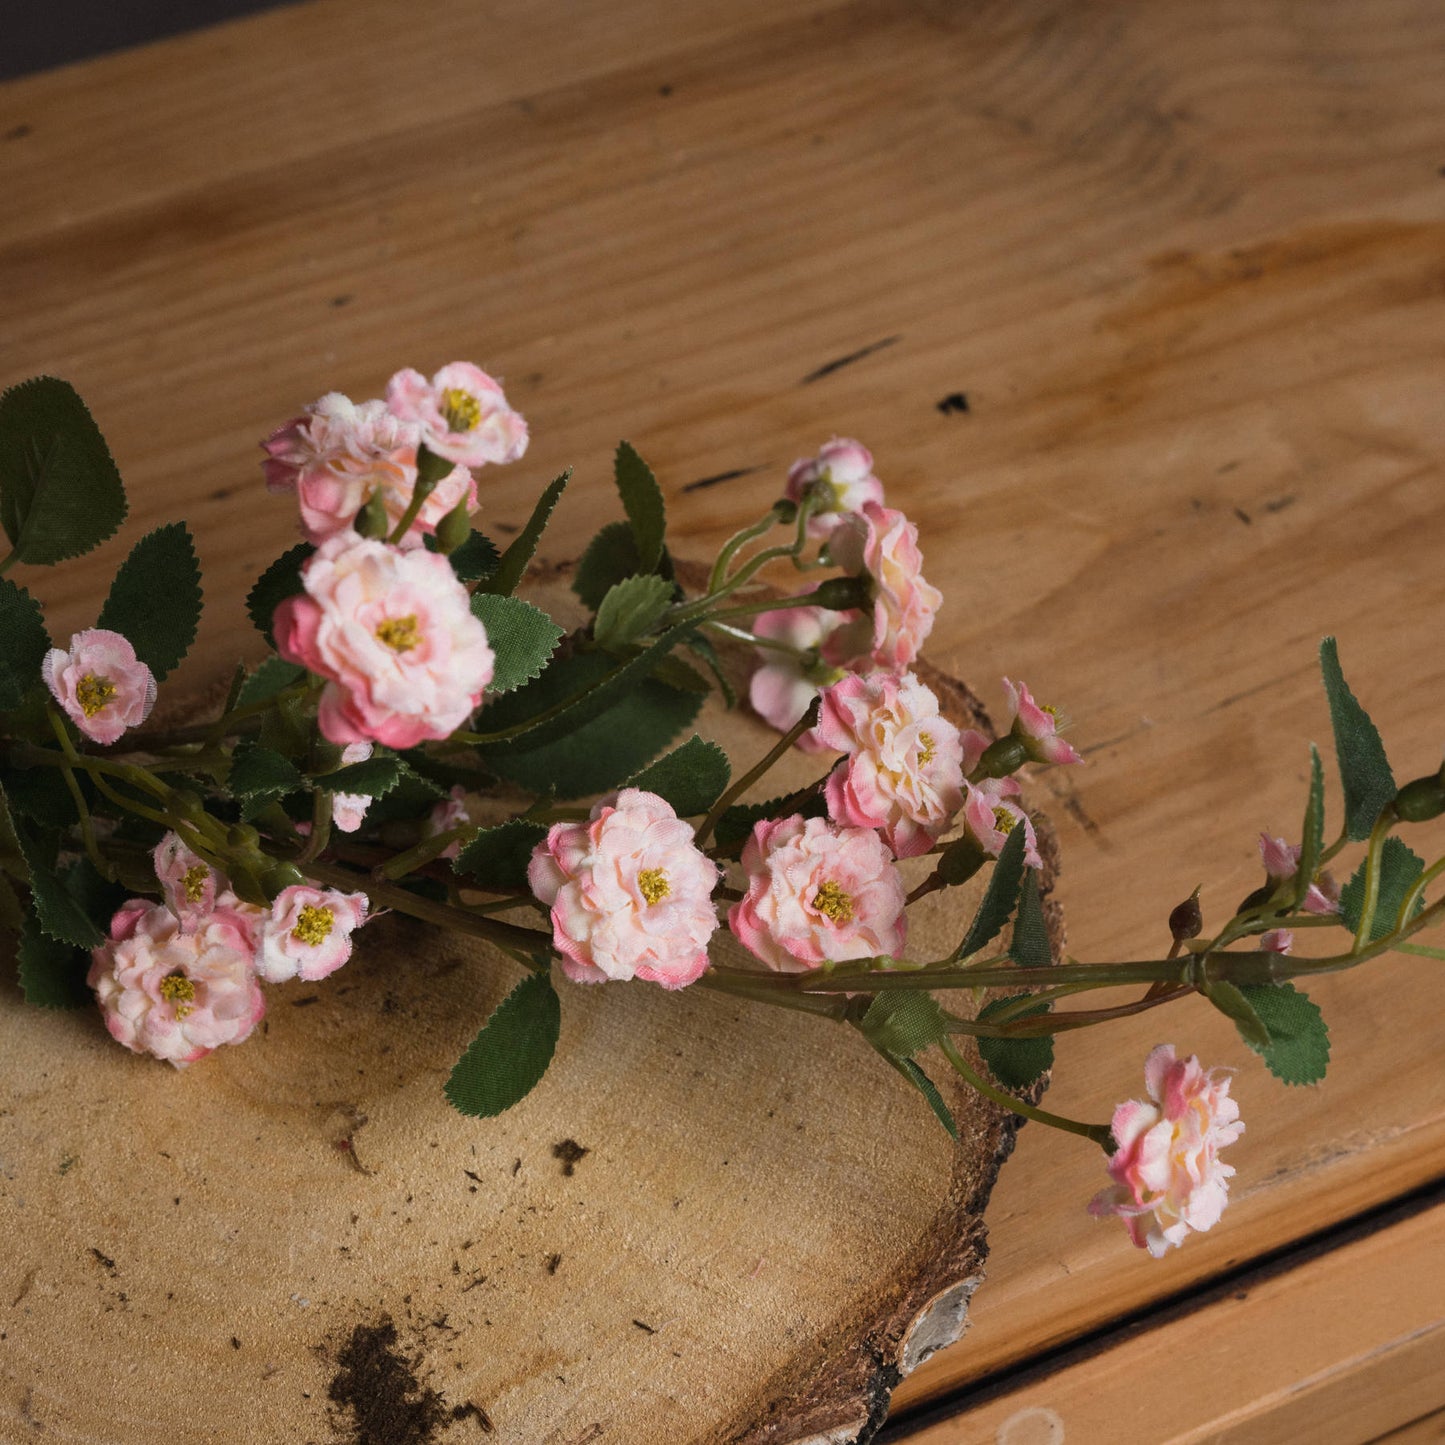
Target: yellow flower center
[(460, 408), (179, 992), (1049, 708), (1003, 820), (833, 903), (194, 882), (313, 925), (925, 753), (400, 634), (653, 885), (92, 693)]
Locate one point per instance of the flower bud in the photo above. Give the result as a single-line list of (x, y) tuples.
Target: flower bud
[(244, 837), (1003, 757), (1421, 800), (371, 520), (454, 528), (281, 876), (961, 860), (430, 469), (840, 594), (1187, 919)]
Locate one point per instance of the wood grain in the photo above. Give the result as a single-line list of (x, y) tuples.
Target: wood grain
[(1187, 264)]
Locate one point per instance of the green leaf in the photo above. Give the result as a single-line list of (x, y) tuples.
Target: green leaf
[(1313, 833), (40, 795), (1029, 947), (58, 913), (12, 911), (274, 675), (928, 1089), (23, 644), (498, 857), (1016, 1063), (1234, 1004), (692, 778), (902, 1022), (257, 771), (52, 972), (702, 648), (642, 501), (1364, 770), (999, 899), (738, 821), (476, 558), (60, 493), (631, 609), (523, 638), (95, 896), (374, 777), (413, 797), (507, 1059), (155, 600), (12, 860), (282, 579), (610, 557), (1298, 1051), (1399, 868), (513, 566)]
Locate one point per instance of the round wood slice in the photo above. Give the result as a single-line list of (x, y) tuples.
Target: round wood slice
[(712, 1221)]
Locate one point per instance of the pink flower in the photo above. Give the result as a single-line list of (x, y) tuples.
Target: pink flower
[(307, 933), (786, 683), (1037, 727), (817, 895), (904, 773), (338, 454), (1276, 940), (174, 994), (630, 893), (348, 810), (462, 413), (452, 812), (990, 816), (1281, 863), (393, 634), (881, 544), (190, 883), (840, 479), (102, 685), (1166, 1170)]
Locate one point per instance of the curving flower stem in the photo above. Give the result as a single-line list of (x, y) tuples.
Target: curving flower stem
[(87, 829), (1371, 900), (742, 784)]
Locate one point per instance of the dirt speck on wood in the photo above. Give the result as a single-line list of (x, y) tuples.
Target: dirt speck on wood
[(570, 1152), (377, 1383)]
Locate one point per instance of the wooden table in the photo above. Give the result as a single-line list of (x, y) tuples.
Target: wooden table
[(1140, 307)]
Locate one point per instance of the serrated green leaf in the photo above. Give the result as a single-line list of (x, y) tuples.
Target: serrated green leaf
[(692, 778), (702, 648), (60, 493), (1364, 769), (413, 797), (40, 794), (1029, 946), (681, 675), (1016, 1063), (95, 896), (1298, 1051), (12, 911), (513, 566), (642, 501), (58, 913), (282, 579), (1313, 833), (631, 609), (155, 600), (374, 777), (507, 1059), (273, 675), (999, 898), (738, 821), (929, 1090), (903, 1022), (1399, 868), (52, 972), (1235, 1006), (523, 638), (498, 857), (23, 644), (610, 556), (476, 558), (260, 772), (12, 860)]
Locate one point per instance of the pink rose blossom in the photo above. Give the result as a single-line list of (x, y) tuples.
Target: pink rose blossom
[(818, 895), (1037, 727), (462, 413), (348, 810), (174, 994), (904, 771), (190, 883), (102, 685), (338, 454), (1166, 1170), (881, 544), (784, 684), (307, 933), (1281, 863), (1277, 940), (451, 812), (393, 634), (630, 893), (840, 479), (990, 816)]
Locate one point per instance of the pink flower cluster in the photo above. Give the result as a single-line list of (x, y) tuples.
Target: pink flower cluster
[(1281, 863), (1168, 1179), (338, 454), (178, 979)]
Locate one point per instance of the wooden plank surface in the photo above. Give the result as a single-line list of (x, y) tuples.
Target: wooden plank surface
[(1188, 266)]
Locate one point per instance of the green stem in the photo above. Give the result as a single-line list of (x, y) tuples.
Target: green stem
[(1371, 900), (738, 788), (1407, 907), (87, 828), (733, 543), (1099, 1133), (422, 853)]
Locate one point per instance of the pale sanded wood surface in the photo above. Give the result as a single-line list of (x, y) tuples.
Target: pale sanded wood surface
[(1187, 264)]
